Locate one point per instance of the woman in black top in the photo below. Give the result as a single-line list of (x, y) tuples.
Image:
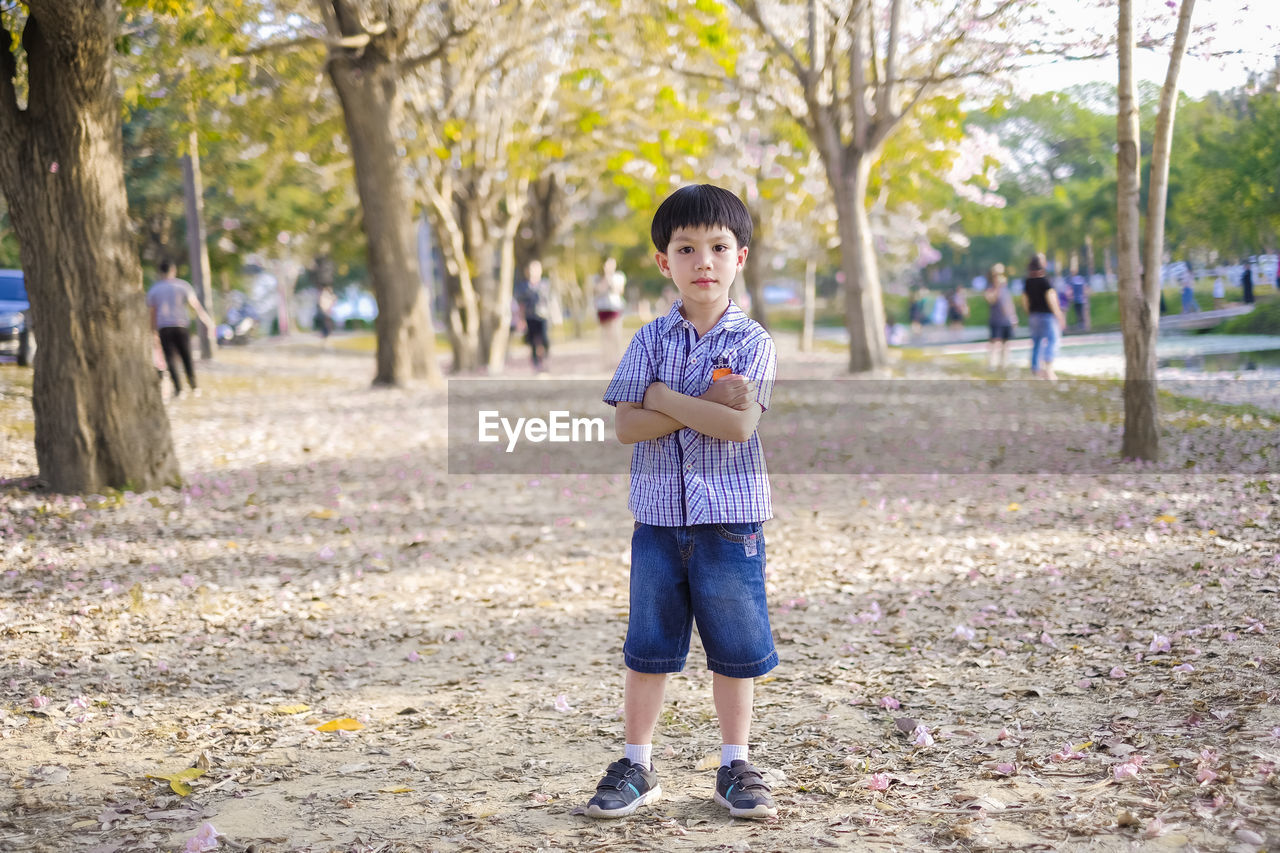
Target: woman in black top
[(1045, 319)]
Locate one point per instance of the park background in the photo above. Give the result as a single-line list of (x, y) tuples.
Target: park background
[(273, 611)]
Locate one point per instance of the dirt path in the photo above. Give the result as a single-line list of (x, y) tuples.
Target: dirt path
[(1094, 658)]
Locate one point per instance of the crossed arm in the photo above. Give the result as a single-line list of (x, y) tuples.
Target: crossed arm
[(727, 410)]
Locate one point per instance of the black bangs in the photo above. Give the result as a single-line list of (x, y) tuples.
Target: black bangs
[(700, 206)]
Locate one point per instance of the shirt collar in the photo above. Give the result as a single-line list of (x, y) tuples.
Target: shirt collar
[(732, 320)]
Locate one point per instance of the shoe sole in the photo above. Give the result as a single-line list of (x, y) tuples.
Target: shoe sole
[(756, 811), (645, 799)]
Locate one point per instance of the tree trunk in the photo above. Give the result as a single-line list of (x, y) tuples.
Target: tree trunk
[(464, 314), (863, 304), (1139, 313), (100, 422), (366, 83), (810, 300), (197, 244)]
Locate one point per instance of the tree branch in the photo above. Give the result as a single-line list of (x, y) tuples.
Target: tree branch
[(752, 10)]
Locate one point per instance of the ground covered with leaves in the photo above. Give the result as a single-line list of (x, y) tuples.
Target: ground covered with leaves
[(324, 641)]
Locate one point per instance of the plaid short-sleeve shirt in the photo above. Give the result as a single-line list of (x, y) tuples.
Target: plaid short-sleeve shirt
[(686, 478)]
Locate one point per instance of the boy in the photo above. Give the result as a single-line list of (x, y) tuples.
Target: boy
[(689, 393)]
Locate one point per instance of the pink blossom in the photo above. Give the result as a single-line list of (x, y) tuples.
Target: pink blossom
[(1256, 628), (1006, 768), (39, 701), (1128, 770), (878, 782), (890, 703), (1184, 667), (922, 736), (1155, 828), (1067, 753), (964, 632), (1205, 776), (1003, 734), (413, 657), (1158, 644), (509, 657), (1117, 672), (206, 838), (562, 703)]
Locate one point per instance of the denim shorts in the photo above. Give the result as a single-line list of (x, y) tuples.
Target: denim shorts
[(709, 573)]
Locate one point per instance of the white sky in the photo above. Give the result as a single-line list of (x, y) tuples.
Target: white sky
[(1250, 35)]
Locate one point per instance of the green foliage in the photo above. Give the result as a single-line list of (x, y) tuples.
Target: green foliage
[(1264, 319), (275, 169)]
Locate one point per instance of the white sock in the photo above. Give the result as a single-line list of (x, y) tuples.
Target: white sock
[(640, 753), (729, 752)]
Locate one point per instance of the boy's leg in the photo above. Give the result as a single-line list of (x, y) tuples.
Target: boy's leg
[(733, 706), (658, 629), (631, 783), (643, 693), (728, 579), (740, 787)]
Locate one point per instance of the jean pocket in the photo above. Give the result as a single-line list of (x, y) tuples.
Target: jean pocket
[(739, 533)]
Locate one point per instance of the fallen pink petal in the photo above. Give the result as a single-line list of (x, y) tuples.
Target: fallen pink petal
[(890, 703), (1128, 770), (205, 839), (878, 782)]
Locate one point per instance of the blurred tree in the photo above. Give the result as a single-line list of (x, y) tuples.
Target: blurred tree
[(371, 47), (858, 69), (1139, 283), (100, 422)]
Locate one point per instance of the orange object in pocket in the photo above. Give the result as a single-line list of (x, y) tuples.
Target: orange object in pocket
[(720, 373)]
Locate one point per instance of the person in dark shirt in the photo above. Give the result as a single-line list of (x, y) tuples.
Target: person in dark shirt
[(533, 295), (1045, 319)]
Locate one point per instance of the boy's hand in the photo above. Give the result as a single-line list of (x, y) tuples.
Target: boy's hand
[(653, 396), (735, 391)]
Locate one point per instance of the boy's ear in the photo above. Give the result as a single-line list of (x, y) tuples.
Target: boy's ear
[(663, 265), (742, 256)]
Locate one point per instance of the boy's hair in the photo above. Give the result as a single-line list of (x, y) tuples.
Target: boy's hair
[(168, 267), (700, 206)]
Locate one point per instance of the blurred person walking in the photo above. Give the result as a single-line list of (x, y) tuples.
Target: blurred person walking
[(533, 295), (1002, 319), (168, 300), (1079, 296), (1045, 319), (610, 286)]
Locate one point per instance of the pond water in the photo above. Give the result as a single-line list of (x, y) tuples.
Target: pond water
[(1219, 362)]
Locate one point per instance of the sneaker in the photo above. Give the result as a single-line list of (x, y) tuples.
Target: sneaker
[(624, 788), (742, 790)]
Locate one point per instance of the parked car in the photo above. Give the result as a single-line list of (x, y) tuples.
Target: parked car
[(15, 330)]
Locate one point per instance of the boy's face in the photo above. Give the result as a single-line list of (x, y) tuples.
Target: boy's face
[(702, 262)]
